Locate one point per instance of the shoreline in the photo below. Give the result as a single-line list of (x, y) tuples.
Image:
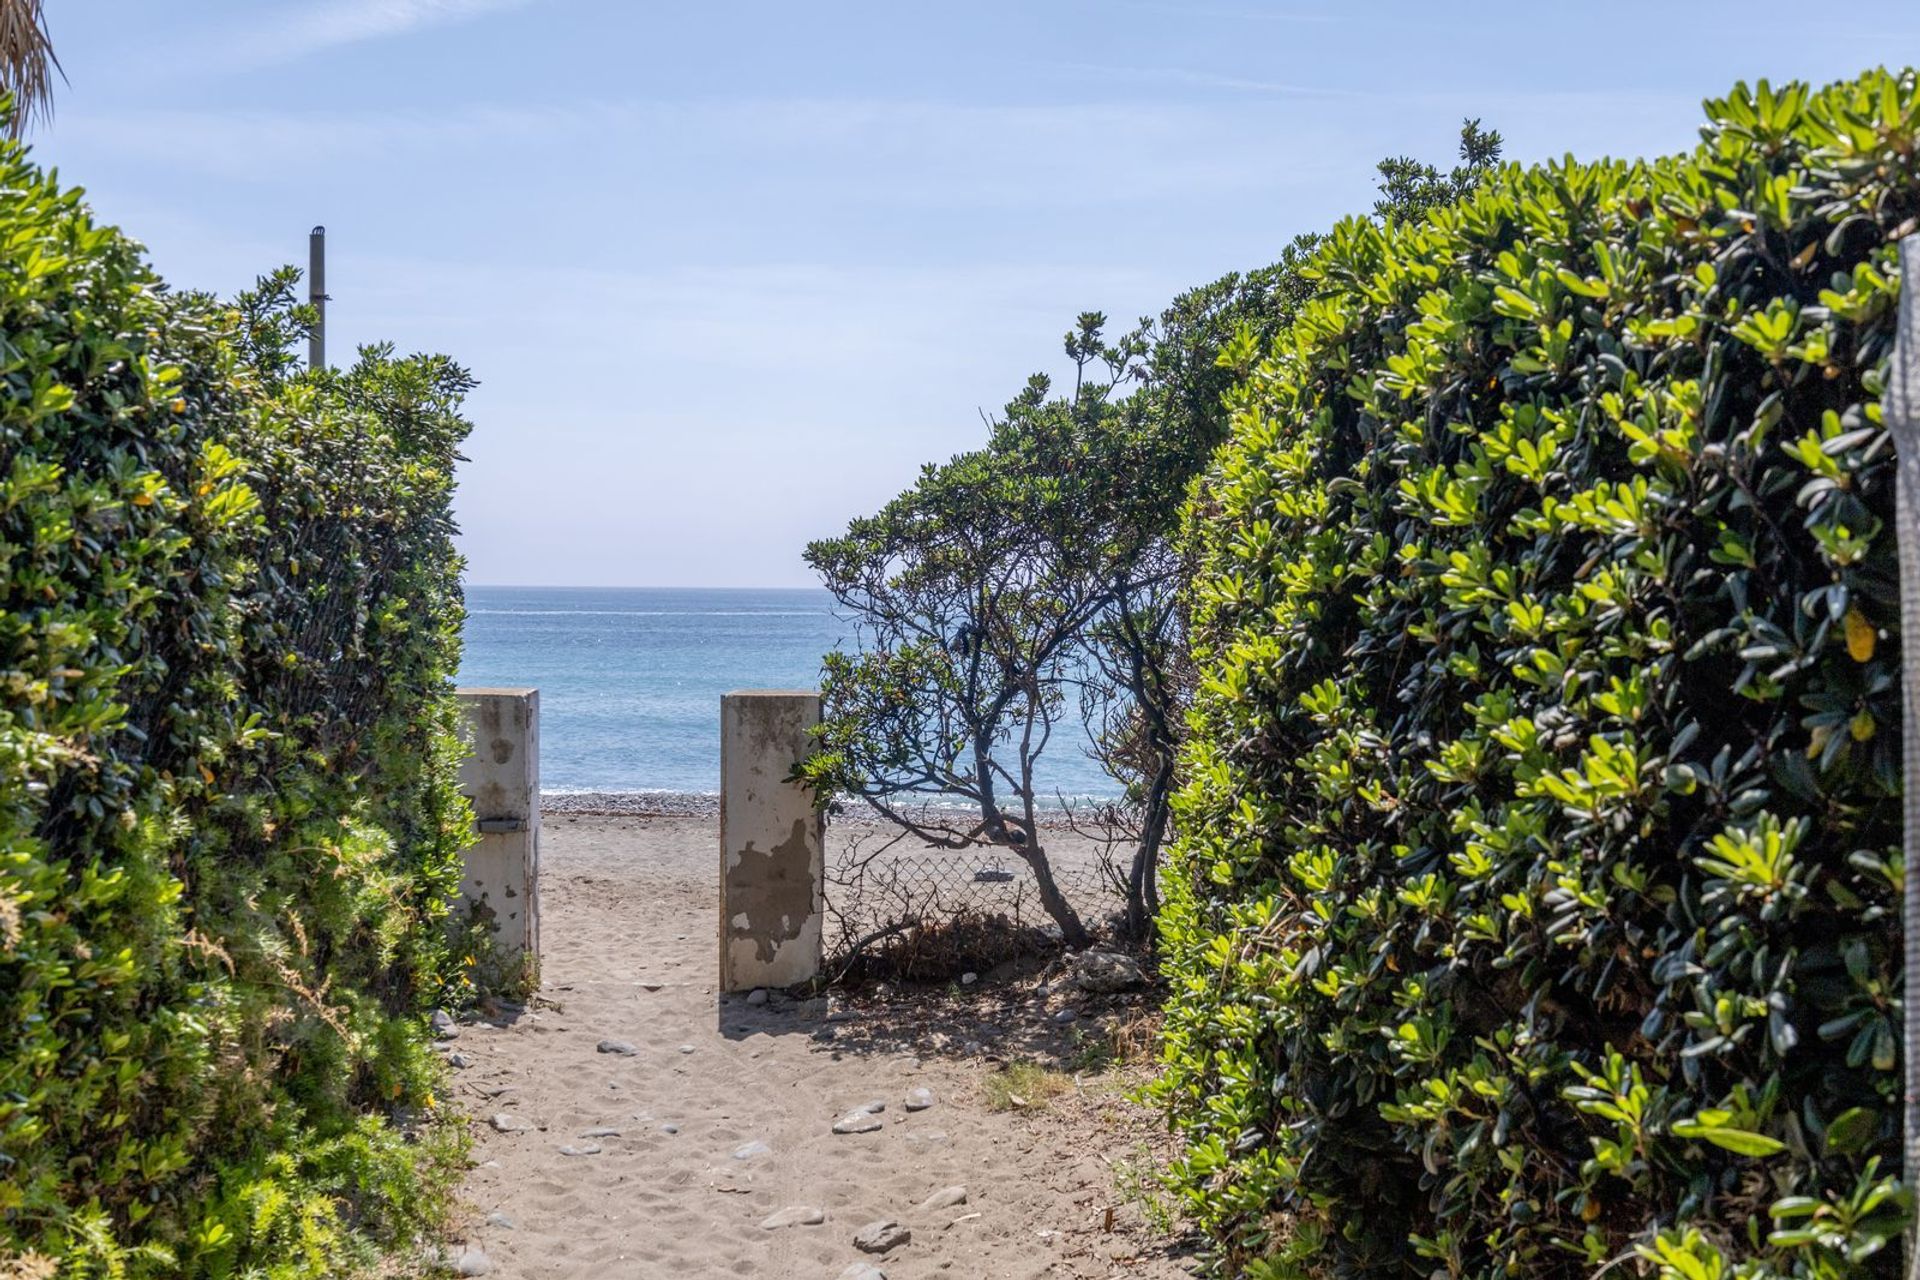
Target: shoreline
[(706, 804)]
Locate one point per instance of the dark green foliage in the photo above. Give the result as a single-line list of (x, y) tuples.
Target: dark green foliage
[(229, 611), (1536, 904), (1409, 188)]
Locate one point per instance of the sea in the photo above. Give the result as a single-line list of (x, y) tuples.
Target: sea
[(630, 678)]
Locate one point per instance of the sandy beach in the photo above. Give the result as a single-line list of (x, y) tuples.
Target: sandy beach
[(630, 1123)]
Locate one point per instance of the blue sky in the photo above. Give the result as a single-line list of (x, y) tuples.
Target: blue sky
[(729, 273)]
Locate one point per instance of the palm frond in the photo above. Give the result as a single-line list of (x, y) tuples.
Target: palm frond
[(27, 62)]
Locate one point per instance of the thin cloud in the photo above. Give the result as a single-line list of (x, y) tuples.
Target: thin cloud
[(331, 25), (1212, 80)]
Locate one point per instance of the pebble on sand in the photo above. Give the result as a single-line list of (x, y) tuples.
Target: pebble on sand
[(880, 1236), (944, 1198), (584, 1149), (620, 1047), (507, 1122), (752, 1149), (1103, 972), (757, 996), (794, 1215), (473, 1262), (858, 1122), (686, 1048), (919, 1099), (863, 1271)]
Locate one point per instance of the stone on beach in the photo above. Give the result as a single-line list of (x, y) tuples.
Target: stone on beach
[(757, 996), (507, 1122), (473, 1262), (794, 1215), (858, 1122), (919, 1099), (944, 1198), (584, 1149), (752, 1149), (863, 1271), (1104, 972), (620, 1047), (880, 1236)]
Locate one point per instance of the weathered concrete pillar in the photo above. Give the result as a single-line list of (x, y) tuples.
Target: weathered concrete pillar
[(502, 778), (771, 842)]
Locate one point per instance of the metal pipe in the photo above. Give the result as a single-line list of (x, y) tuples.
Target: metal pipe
[(1900, 404), (317, 296)]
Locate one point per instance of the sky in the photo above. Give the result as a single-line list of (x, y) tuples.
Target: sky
[(729, 274)]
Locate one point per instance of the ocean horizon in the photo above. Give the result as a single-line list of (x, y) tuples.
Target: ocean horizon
[(630, 678)]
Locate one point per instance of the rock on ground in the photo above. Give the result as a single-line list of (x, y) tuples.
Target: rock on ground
[(794, 1215), (878, 1237), (1104, 972), (473, 1262), (944, 1198)]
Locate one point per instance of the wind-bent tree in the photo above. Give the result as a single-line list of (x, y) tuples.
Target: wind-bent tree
[(973, 592), (1038, 578), (27, 64)]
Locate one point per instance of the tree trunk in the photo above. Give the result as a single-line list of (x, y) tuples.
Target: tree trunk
[(1072, 932), (1143, 896)]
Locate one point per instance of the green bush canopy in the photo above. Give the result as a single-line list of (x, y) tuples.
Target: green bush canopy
[(1536, 906), (229, 829)]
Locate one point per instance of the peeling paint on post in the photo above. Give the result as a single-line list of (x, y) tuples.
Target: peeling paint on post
[(502, 779), (771, 842)]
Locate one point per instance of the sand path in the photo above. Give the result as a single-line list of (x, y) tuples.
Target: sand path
[(722, 1113)]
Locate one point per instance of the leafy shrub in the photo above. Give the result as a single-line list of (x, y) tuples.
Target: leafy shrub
[(229, 829), (1536, 903)]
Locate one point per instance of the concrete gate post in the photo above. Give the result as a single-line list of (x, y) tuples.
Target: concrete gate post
[(502, 779), (772, 842)]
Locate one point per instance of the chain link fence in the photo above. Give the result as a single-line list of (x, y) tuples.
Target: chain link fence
[(918, 911)]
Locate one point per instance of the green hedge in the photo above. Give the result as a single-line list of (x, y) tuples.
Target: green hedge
[(229, 829), (1536, 908)]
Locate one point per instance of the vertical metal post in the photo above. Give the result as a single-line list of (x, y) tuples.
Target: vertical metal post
[(1901, 406), (317, 295)]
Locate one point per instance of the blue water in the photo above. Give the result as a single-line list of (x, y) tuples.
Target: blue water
[(630, 678)]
